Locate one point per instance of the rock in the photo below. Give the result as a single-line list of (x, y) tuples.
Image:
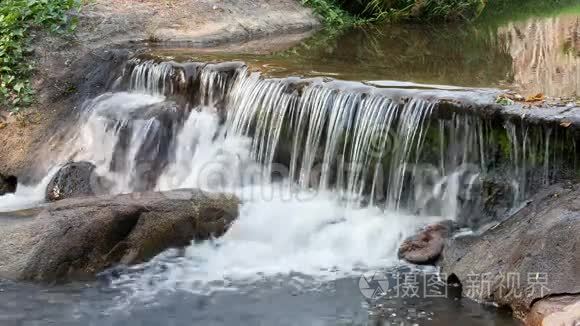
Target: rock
[(77, 238), (532, 255), (75, 179), (426, 247), (555, 311), (7, 184)]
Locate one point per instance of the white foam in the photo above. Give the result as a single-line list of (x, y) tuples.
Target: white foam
[(317, 238), (282, 229), (26, 196)]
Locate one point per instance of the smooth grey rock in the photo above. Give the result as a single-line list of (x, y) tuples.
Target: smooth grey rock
[(80, 237)]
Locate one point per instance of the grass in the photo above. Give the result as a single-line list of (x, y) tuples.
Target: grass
[(18, 18), (348, 12), (423, 10), (500, 11), (331, 12)]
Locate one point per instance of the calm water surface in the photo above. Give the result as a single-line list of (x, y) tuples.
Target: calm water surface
[(531, 54)]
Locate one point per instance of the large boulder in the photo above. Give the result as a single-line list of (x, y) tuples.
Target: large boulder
[(78, 238), (75, 179), (7, 184), (533, 255)]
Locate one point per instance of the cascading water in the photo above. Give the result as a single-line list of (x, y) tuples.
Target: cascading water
[(332, 175), (339, 138)]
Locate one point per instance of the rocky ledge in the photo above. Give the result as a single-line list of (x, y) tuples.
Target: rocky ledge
[(77, 238), (530, 262)]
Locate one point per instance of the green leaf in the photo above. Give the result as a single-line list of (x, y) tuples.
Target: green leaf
[(17, 18), (18, 87)]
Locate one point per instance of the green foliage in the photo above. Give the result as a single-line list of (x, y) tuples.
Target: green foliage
[(501, 11), (330, 12), (341, 12), (17, 19), (424, 10), (346, 12)]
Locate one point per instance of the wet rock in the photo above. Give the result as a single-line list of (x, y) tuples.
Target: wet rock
[(533, 254), (72, 180), (426, 247), (7, 184), (80, 237), (555, 311)]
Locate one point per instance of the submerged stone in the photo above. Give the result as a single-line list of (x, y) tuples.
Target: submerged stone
[(425, 248)]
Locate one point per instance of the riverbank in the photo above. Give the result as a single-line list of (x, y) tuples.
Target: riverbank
[(67, 66)]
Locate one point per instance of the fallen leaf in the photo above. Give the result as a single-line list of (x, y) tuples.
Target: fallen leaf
[(566, 123), (535, 98)]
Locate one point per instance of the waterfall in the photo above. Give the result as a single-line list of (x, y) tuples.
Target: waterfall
[(169, 125), (338, 138), (369, 145), (332, 175)]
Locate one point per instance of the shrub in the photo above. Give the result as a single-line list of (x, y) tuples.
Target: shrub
[(423, 10), (331, 12), (17, 19), (363, 11)]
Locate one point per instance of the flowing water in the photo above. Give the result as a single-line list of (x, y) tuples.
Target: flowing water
[(332, 174)]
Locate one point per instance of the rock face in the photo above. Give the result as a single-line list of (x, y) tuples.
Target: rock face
[(532, 255), (77, 238), (7, 184), (556, 311), (426, 247), (72, 180)]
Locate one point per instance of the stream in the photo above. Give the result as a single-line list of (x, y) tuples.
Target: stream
[(333, 174)]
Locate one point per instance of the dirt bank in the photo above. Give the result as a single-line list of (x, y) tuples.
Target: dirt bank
[(68, 68)]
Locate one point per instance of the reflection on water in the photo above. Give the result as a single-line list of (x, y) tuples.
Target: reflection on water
[(531, 55), (545, 54)]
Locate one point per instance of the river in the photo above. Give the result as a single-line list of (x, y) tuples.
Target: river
[(309, 247)]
